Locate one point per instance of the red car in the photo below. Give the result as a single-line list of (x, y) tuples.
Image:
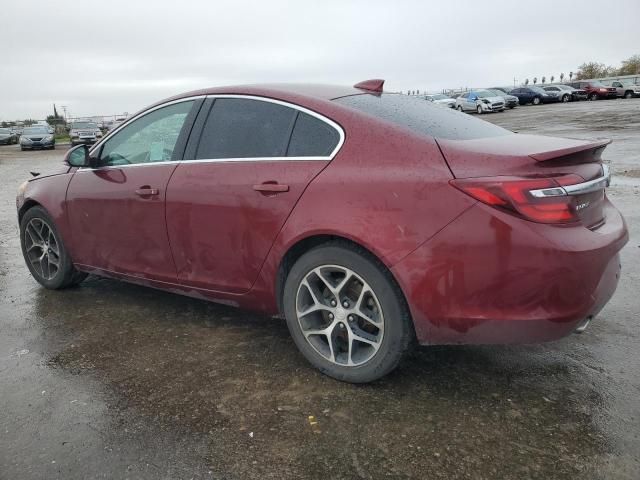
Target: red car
[(595, 90), (368, 219)]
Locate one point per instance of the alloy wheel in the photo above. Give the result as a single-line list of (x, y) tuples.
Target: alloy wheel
[(42, 248), (339, 315)]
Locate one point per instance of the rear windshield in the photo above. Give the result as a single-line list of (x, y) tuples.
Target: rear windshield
[(423, 117)]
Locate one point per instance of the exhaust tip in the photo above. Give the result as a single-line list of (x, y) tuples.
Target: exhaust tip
[(583, 325)]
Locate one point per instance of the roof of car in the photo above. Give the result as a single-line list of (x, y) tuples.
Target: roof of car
[(318, 91)]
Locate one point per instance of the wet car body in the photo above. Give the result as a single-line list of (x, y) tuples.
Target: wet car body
[(480, 101), (37, 137), (489, 236), (510, 101), (596, 90)]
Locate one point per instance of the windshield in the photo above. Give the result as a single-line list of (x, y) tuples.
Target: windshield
[(596, 84), (4, 130), (423, 117), (497, 93), (30, 130), (485, 94), (84, 125)]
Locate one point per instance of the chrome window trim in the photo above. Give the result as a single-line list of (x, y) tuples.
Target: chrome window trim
[(577, 189), (299, 108)]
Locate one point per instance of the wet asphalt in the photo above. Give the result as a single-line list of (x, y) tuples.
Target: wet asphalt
[(110, 380)]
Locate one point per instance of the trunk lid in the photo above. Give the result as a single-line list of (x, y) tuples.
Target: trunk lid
[(570, 161)]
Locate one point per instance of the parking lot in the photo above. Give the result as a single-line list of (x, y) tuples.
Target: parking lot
[(111, 380)]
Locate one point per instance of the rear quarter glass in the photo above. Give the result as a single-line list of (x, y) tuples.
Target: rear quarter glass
[(422, 117)]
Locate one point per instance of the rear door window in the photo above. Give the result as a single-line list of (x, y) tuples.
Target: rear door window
[(312, 137), (246, 128)]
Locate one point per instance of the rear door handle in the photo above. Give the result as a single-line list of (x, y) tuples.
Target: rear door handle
[(147, 191), (271, 187)]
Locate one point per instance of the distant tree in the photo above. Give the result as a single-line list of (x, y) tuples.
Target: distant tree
[(630, 66), (570, 76), (535, 80), (418, 92), (544, 79), (594, 70), (562, 77), (552, 79), (526, 82)]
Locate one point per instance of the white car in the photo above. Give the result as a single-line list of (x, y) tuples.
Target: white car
[(480, 101), (440, 99)]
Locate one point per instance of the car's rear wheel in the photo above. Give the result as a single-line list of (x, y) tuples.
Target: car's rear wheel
[(346, 314), (536, 100), (45, 253), (628, 94), (459, 108)]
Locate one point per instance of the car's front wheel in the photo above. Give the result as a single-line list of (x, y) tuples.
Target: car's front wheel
[(536, 100), (346, 314), (628, 94), (459, 108), (479, 110), (593, 97), (565, 98), (45, 254)]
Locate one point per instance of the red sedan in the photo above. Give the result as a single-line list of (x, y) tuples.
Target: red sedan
[(368, 219)]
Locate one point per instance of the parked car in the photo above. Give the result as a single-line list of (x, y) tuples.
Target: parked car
[(480, 101), (534, 95), (441, 99), (566, 93), (595, 90), (368, 219), (84, 132), (37, 136), (624, 89), (510, 101), (17, 131), (7, 137)]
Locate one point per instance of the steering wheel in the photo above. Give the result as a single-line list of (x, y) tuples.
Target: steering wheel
[(115, 158)]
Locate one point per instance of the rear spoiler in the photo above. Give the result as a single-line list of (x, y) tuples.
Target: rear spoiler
[(562, 152)]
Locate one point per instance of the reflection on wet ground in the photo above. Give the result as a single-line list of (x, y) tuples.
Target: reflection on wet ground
[(111, 380)]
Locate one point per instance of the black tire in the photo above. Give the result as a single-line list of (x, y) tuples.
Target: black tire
[(479, 110), (398, 328), (459, 108), (565, 98), (628, 94), (593, 97), (536, 101), (22, 148), (66, 275)]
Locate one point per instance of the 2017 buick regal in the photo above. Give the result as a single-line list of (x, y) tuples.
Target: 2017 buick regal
[(368, 219)]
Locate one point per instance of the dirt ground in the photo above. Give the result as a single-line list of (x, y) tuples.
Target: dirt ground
[(111, 380)]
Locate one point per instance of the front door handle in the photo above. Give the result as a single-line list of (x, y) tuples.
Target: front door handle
[(271, 187), (147, 191)]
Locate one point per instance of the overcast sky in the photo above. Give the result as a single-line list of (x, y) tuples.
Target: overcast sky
[(127, 54)]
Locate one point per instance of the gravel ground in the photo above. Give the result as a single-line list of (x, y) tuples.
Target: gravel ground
[(111, 380)]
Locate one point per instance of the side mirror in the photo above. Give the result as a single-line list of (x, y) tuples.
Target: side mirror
[(78, 156)]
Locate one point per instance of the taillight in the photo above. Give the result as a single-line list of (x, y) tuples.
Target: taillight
[(520, 196)]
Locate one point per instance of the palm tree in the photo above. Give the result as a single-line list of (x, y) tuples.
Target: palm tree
[(526, 82), (535, 80), (562, 77), (552, 79), (544, 79), (570, 75)]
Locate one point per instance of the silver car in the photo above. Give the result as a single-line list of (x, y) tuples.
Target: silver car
[(84, 132), (440, 99), (480, 101)]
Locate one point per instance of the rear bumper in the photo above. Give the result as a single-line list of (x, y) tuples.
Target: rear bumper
[(489, 277)]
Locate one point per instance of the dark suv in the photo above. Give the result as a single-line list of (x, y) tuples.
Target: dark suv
[(595, 90)]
